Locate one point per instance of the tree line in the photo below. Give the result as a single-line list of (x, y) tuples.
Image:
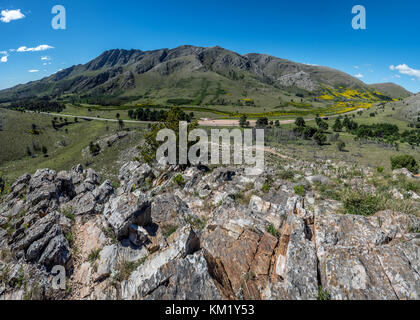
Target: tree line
[(38, 105), (145, 114)]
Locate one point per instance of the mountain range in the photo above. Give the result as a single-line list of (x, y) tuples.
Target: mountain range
[(196, 75)]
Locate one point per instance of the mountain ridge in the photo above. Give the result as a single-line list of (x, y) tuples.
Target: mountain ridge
[(187, 72)]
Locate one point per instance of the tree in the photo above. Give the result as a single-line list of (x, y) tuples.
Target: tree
[(262, 122), (243, 121), (309, 132), (28, 151), (338, 126), (2, 185), (131, 114), (300, 122), (277, 123), (151, 145), (318, 120), (94, 149), (121, 124), (320, 138), (405, 161), (44, 151)]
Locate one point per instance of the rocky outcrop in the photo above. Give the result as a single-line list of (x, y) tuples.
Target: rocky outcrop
[(218, 235)]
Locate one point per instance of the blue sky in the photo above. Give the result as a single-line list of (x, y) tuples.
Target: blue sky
[(313, 32)]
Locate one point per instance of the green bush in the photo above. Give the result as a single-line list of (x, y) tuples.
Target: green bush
[(94, 255), (300, 122), (94, 149), (341, 145), (320, 138), (380, 169), (361, 203), (179, 180), (266, 187), (2, 185), (299, 190), (405, 161), (271, 229), (286, 175)]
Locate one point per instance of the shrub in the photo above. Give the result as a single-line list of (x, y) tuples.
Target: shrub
[(309, 132), (262, 122), (286, 175), (179, 180), (361, 203), (2, 185), (322, 294), (405, 161), (380, 169), (300, 122), (320, 138), (266, 187), (341, 145), (94, 149), (69, 214), (94, 255), (168, 230), (271, 229), (125, 268), (299, 190)]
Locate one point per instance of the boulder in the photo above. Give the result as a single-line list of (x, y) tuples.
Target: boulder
[(137, 235), (107, 261), (126, 209)]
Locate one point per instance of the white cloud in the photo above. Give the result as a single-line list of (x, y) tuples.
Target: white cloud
[(10, 15), (404, 69), (41, 47), (359, 75), (5, 56), (356, 67), (46, 58), (33, 70)]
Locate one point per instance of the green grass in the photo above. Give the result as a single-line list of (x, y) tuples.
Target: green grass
[(168, 230), (125, 268), (322, 294), (64, 148), (369, 154), (271, 229), (94, 255)]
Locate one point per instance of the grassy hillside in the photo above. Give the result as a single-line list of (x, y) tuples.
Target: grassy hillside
[(64, 146), (391, 89)]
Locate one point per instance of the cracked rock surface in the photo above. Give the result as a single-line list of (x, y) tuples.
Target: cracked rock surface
[(215, 236)]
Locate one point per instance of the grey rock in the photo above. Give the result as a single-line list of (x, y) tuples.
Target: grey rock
[(318, 179), (124, 210), (36, 248), (137, 235), (56, 253), (107, 261)]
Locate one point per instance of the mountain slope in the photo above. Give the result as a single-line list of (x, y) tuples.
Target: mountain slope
[(392, 90), (199, 75)]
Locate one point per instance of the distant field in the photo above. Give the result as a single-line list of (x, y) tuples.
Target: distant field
[(64, 149), (370, 154)]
